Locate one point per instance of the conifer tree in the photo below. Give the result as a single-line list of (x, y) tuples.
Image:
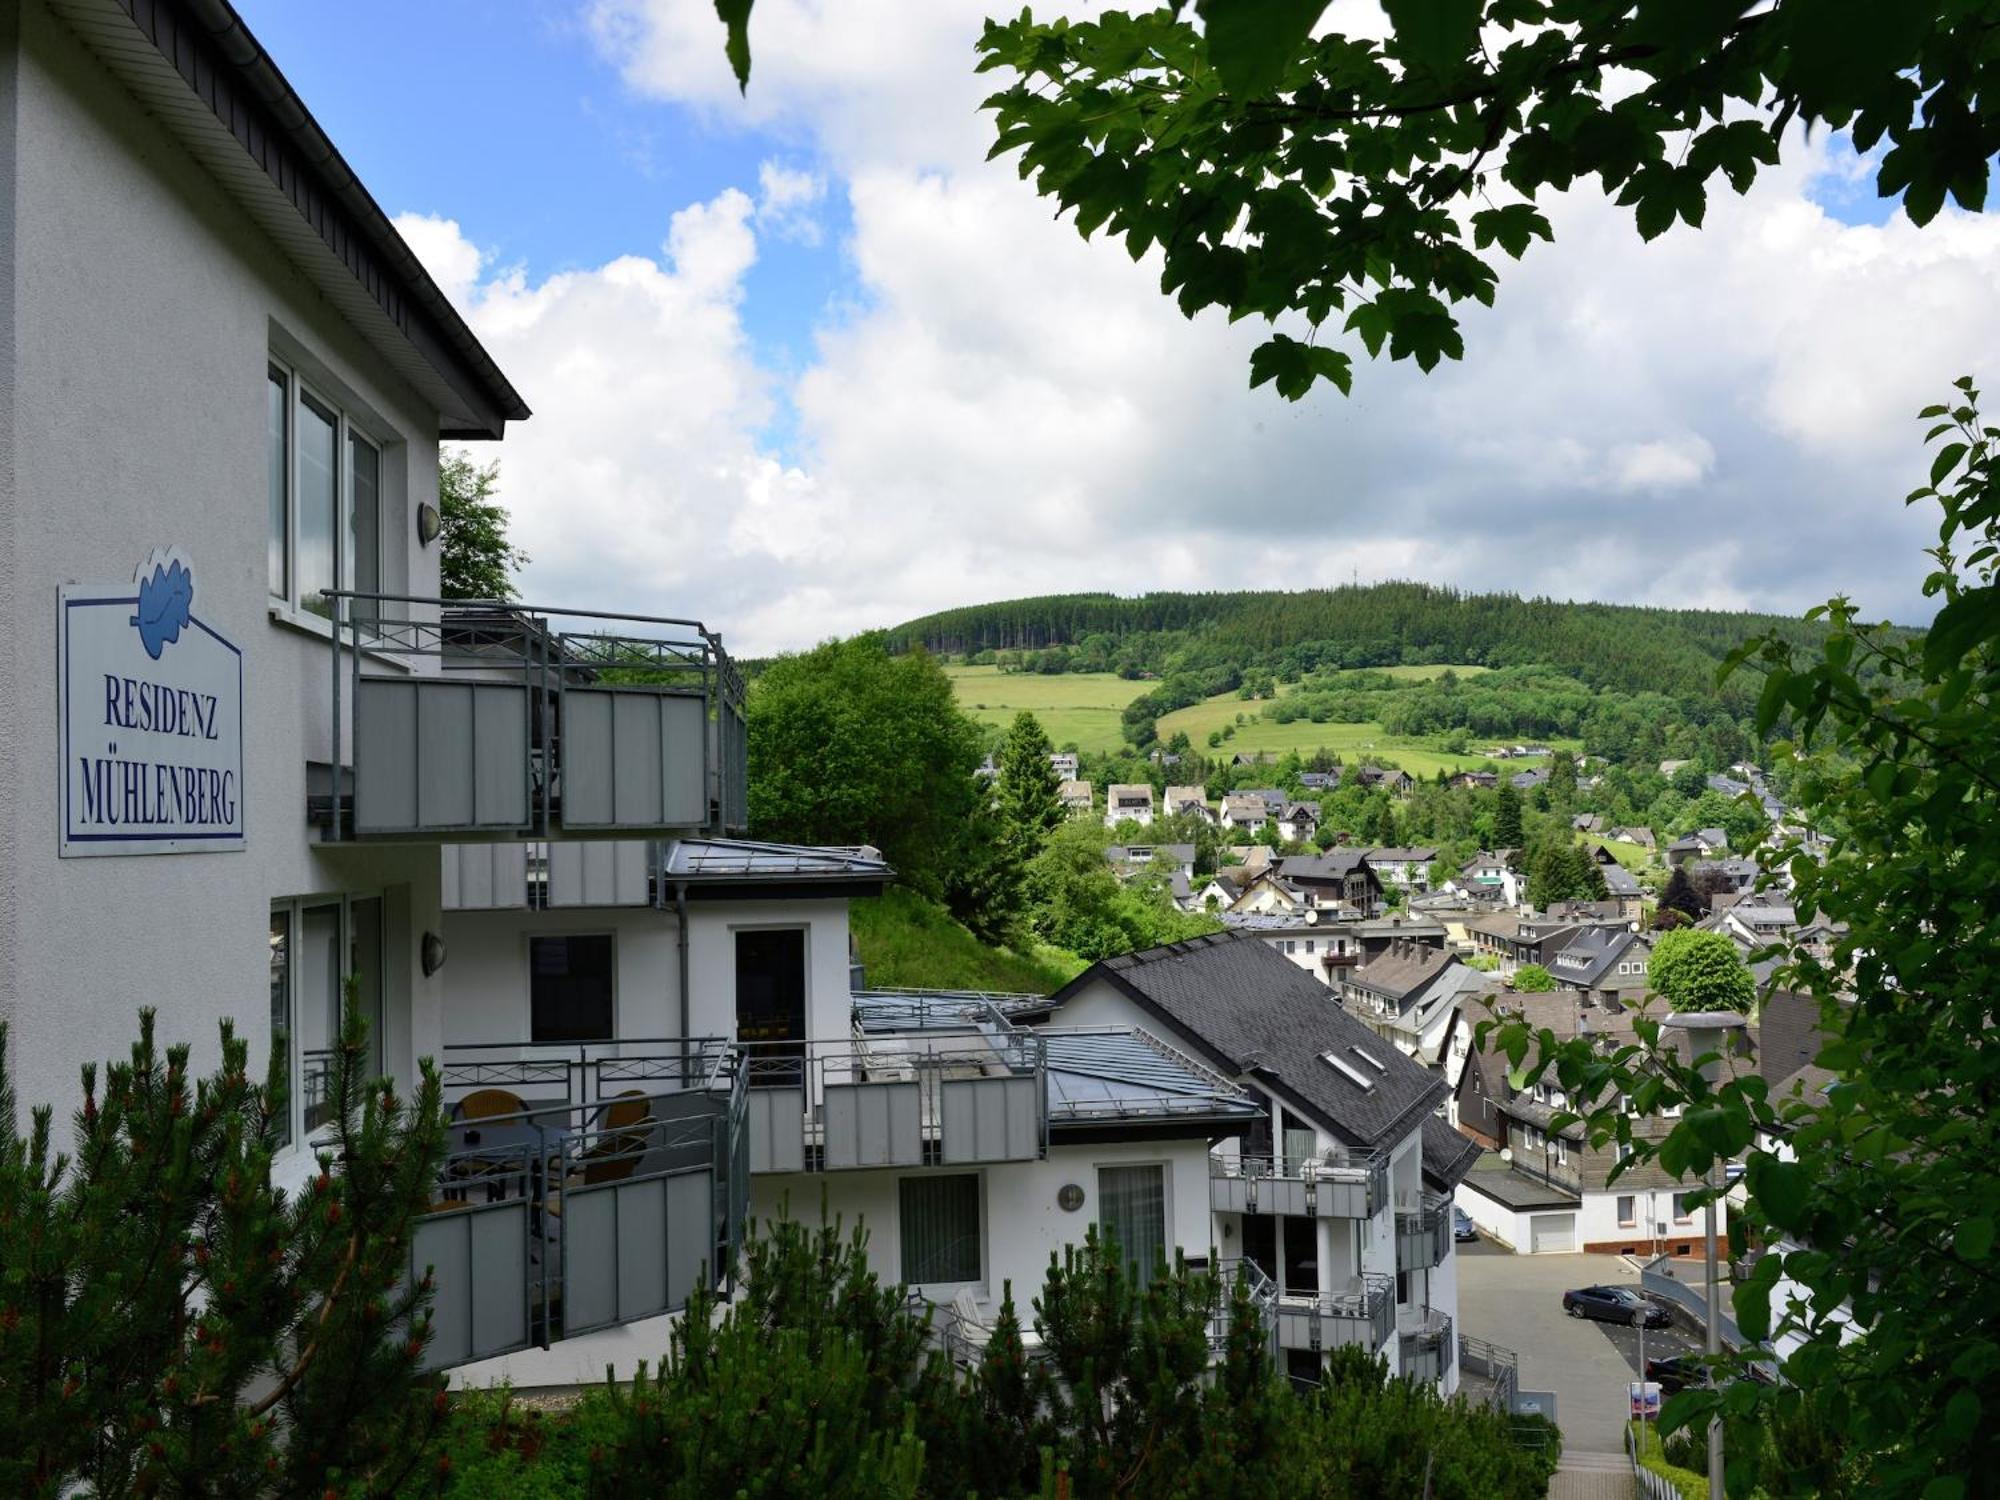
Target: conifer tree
[(1507, 818), (171, 1323), (1030, 792)]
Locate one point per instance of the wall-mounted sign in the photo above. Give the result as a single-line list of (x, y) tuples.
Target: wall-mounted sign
[(151, 718)]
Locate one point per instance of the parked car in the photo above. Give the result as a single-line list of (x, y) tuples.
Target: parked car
[(1679, 1371), (1462, 1227), (1615, 1304)]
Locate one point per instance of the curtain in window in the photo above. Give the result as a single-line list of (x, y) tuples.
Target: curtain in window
[(940, 1229), (281, 1009), (1299, 1148), (1132, 1205)]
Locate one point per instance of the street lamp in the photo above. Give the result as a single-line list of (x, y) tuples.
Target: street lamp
[(1709, 1034)]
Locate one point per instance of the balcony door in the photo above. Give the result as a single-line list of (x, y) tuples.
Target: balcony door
[(771, 1000)]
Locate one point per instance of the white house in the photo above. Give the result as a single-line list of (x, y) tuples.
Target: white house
[(1339, 1192), (1246, 811), (1408, 868), (1128, 803), (1076, 798), (1181, 799), (1298, 822), (1308, 936), (1063, 763)]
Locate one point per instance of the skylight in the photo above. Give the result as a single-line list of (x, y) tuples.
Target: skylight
[(1370, 1058), (1348, 1071)]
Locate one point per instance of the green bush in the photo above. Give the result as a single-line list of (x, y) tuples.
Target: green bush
[(1652, 1457)]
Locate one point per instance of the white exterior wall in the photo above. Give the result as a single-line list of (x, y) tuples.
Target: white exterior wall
[(134, 333), (486, 980)]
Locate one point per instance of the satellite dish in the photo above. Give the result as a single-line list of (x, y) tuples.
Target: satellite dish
[(1507, 1154), (1312, 916)]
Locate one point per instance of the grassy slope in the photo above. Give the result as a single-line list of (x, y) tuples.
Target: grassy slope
[(1352, 742), (908, 942), (1082, 706)]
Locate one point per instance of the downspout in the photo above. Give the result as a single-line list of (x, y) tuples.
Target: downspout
[(681, 915)]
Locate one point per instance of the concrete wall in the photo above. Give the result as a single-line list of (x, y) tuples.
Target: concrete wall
[(139, 313), (486, 980)]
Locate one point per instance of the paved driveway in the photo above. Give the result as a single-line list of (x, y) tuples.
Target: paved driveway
[(1516, 1301)]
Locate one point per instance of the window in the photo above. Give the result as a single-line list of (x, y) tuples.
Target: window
[(319, 947), (281, 995), (570, 988), (1628, 1210), (1681, 1211), (939, 1223), (1402, 1288), (324, 500), (277, 427), (1132, 1208), (1309, 945)]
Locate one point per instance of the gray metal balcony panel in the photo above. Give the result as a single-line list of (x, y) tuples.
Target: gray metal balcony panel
[(434, 756), (990, 1119), (874, 1125), (478, 1259), (484, 877), (1326, 1198), (633, 759), (776, 1125), (598, 874), (634, 1249)]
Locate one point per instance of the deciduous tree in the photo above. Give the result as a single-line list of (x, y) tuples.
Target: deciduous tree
[(475, 558), (1694, 970)]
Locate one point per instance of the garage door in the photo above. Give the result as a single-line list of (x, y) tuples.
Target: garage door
[(1552, 1232)]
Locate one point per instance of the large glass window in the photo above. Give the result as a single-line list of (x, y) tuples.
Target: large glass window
[(319, 497), (319, 946), (570, 988), (278, 462), (1132, 1205), (940, 1228), (325, 498)]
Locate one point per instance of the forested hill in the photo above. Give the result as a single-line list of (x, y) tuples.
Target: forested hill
[(1628, 647)]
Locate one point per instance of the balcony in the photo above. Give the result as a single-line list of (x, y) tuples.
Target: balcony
[(1361, 1312), (1332, 1185), (520, 730), (949, 1096), (1426, 1346), (620, 1186), (1488, 1374), (1423, 1234)]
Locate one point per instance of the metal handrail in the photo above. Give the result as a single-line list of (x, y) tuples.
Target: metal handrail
[(520, 640), (580, 1070), (1496, 1363)]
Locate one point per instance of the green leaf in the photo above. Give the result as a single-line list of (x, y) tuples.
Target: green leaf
[(1974, 1239), (735, 17), (1946, 460), (1293, 366), (1435, 35), (1973, 617), (1780, 1189), (1251, 42)]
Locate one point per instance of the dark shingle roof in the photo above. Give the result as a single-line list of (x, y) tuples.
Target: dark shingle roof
[(1448, 1156), (1401, 969), (1789, 1037), (1255, 1011), (1588, 957), (1335, 864)]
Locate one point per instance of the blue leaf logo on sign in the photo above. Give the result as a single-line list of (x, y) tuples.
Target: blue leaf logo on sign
[(165, 601)]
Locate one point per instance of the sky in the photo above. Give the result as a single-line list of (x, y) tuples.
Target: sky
[(805, 363)]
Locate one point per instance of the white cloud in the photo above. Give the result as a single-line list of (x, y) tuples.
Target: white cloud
[(1720, 418)]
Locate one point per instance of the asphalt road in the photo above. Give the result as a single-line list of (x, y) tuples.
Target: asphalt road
[(1516, 1301)]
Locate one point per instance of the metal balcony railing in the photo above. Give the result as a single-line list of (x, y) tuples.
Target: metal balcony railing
[(1426, 1351), (1423, 1234), (1488, 1372), (929, 1097), (1361, 1312), (564, 1218), (1329, 1185), (550, 1075), (519, 729)]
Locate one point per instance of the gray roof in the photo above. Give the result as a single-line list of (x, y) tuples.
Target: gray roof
[(1179, 853), (1621, 882), (1448, 1156), (1126, 1073), (705, 861), (1334, 864), (1588, 957), (1256, 1012), (1402, 970), (1402, 856)]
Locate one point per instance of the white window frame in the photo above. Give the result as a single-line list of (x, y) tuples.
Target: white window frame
[(295, 908), (1628, 1216), (299, 386), (933, 1289)]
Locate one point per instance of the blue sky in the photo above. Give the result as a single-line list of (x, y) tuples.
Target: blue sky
[(916, 388), (528, 137)]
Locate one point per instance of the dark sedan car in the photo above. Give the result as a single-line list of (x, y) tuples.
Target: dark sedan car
[(1677, 1373), (1615, 1304)]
